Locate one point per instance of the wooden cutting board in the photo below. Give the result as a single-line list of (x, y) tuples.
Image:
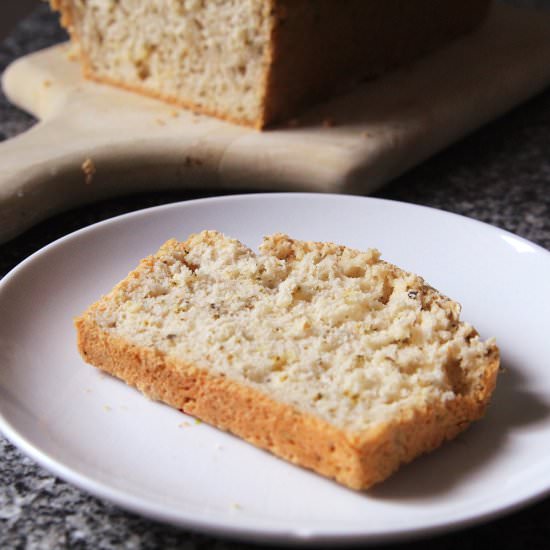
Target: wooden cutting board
[(94, 141)]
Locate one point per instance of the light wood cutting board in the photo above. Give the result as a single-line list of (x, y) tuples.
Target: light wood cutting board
[(354, 143)]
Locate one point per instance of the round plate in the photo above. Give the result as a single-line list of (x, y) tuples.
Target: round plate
[(104, 437)]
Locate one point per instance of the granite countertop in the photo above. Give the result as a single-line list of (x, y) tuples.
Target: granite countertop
[(499, 175)]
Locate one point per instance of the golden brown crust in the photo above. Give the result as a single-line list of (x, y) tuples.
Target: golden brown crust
[(64, 9), (357, 460)]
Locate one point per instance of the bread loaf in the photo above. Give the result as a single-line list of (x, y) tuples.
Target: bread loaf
[(255, 62), (326, 356)]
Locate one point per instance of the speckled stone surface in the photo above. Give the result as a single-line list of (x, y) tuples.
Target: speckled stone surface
[(500, 175)]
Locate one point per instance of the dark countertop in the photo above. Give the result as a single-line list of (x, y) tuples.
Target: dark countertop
[(499, 175)]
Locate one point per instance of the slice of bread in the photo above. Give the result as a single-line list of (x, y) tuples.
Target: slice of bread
[(326, 356), (256, 62)]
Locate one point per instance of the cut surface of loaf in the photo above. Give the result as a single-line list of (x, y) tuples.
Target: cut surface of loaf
[(326, 356), (256, 62)]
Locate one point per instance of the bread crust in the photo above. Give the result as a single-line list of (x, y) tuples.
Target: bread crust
[(357, 460), (325, 47)]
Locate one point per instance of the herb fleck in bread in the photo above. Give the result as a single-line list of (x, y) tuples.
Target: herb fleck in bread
[(326, 356), (255, 62)]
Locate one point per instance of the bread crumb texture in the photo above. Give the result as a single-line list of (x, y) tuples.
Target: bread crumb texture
[(212, 54), (89, 170), (334, 359)]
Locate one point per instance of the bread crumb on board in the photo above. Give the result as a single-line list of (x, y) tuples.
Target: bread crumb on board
[(89, 169), (192, 162)]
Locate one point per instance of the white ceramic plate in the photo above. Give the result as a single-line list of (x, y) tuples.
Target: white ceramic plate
[(103, 436)]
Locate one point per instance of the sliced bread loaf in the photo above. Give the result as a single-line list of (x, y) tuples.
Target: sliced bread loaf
[(255, 62), (326, 356)]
